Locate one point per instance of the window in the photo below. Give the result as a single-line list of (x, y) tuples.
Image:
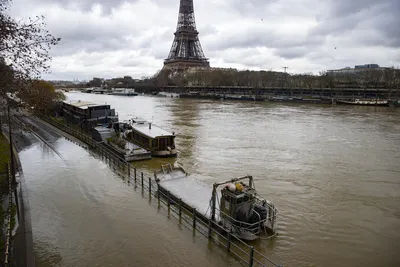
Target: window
[(155, 143)]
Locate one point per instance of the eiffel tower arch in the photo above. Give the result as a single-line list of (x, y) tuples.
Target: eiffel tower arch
[(186, 49)]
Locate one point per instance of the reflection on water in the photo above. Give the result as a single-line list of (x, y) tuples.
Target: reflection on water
[(332, 171)]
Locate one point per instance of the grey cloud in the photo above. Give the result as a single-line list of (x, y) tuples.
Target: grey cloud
[(86, 5), (133, 61), (344, 8), (345, 16), (251, 7), (207, 29), (262, 38), (348, 24), (248, 59), (291, 53)]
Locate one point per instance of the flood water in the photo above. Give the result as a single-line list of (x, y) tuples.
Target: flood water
[(332, 171)]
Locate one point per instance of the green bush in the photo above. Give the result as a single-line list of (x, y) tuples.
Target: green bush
[(120, 142)]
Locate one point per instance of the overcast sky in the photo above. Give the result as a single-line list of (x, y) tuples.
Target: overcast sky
[(108, 38)]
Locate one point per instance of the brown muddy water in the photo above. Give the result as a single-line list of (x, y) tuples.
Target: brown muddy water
[(332, 171)]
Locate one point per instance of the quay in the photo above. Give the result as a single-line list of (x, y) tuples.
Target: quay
[(268, 92)]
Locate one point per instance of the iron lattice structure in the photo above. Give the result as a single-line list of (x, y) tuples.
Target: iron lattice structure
[(186, 49)]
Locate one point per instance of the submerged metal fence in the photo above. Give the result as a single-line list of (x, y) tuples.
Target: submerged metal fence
[(187, 215), (7, 245)]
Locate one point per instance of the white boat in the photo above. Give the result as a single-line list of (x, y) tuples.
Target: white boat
[(167, 94), (364, 102), (124, 91), (236, 207)]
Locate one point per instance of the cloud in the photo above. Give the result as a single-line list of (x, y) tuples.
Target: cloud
[(115, 37)]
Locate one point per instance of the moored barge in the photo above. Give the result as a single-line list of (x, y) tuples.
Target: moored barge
[(158, 141), (234, 205)]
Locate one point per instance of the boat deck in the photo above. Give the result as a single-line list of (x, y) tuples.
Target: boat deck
[(192, 191)]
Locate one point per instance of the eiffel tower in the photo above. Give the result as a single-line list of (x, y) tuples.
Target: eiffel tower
[(186, 49)]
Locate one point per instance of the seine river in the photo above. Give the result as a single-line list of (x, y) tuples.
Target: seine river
[(332, 171)]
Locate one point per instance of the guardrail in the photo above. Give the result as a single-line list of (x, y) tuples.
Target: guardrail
[(7, 250), (191, 218)]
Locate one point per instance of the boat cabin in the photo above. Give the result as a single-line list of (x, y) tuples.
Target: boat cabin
[(160, 142), (87, 114), (235, 199)]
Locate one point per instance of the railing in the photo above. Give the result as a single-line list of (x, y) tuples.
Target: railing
[(186, 214), (9, 219), (251, 227)]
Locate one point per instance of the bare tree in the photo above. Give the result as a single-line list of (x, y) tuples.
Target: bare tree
[(24, 49)]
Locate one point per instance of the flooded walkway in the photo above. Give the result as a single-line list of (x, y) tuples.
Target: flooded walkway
[(85, 215)]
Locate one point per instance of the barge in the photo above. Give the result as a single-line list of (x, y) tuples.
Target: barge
[(124, 92), (158, 141), (314, 100), (234, 205), (131, 152)]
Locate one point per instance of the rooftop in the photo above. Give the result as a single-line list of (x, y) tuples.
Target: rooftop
[(154, 132), (82, 104)]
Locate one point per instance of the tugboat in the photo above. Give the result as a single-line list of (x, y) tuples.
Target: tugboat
[(233, 204)]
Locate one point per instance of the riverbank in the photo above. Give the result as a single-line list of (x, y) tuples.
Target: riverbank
[(22, 244)]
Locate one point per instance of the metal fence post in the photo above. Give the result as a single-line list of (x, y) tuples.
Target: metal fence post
[(158, 196), (228, 246), (134, 171), (168, 203), (142, 179), (209, 228), (194, 219), (180, 208), (129, 173), (150, 186), (251, 260)]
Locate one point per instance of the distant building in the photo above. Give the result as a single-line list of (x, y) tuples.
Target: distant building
[(357, 69), (367, 66)]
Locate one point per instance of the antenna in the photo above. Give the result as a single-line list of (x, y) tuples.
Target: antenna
[(285, 68)]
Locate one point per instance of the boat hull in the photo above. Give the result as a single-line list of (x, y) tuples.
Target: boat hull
[(177, 187), (165, 153), (174, 200), (381, 103), (299, 100), (394, 103), (125, 94)]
